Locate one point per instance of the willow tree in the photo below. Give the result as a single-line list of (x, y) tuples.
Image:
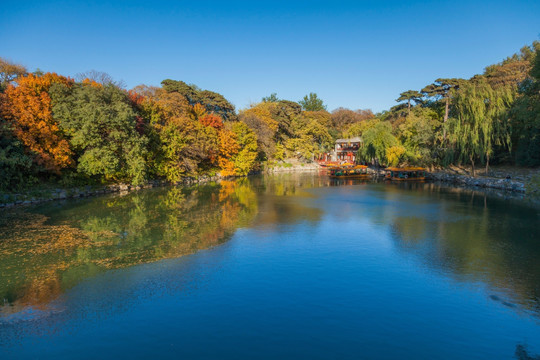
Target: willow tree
[(377, 140), (480, 122)]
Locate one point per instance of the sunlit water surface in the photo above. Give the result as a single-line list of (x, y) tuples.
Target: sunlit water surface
[(284, 266)]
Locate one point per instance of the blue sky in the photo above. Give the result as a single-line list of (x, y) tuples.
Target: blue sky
[(356, 54)]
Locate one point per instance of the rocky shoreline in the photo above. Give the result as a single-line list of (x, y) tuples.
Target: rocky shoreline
[(468, 181), (481, 182)]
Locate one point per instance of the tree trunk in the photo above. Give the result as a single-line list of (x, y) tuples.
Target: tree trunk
[(446, 107), (472, 165), (487, 165), (409, 106)]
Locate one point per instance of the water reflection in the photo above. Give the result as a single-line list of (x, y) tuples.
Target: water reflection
[(473, 237), (466, 234), (48, 249)]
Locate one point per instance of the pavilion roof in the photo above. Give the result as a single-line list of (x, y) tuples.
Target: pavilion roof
[(351, 140)]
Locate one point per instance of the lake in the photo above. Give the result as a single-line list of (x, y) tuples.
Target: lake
[(282, 266)]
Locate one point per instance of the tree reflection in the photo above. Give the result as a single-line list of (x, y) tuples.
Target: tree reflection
[(522, 353), (42, 254), (48, 249), (471, 239)]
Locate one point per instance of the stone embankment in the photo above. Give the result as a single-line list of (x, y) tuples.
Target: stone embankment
[(482, 182), (462, 180), (10, 200), (294, 167)]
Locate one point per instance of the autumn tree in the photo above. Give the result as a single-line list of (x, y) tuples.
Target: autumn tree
[(212, 120), (98, 77), (244, 161), (514, 69), (212, 101), (187, 148), (228, 149), (28, 111), (394, 154), (238, 150), (277, 116), (263, 129), (342, 118), (9, 71), (310, 138)]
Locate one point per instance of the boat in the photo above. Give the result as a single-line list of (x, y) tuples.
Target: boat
[(405, 173), (347, 171)]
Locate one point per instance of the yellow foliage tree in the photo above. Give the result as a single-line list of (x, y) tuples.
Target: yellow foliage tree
[(394, 154)]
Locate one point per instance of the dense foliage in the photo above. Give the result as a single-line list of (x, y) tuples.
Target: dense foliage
[(92, 130)]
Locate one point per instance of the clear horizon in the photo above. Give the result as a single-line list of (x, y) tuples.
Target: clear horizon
[(358, 55)]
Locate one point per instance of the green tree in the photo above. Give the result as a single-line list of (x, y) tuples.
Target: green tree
[(100, 123), (244, 161), (525, 118), (480, 121), (410, 95), (443, 89), (188, 148), (312, 102), (418, 135), (16, 165), (376, 141), (272, 98)]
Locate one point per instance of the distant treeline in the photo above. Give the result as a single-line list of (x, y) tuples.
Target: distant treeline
[(90, 129)]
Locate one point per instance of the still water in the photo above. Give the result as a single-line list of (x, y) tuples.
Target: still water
[(283, 266)]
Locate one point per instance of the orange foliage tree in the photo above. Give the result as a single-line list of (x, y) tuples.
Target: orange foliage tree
[(212, 120), (28, 109), (228, 148)]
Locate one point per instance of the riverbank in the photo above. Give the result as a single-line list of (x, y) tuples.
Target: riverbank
[(50, 193), (506, 184), (290, 165), (506, 179)]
